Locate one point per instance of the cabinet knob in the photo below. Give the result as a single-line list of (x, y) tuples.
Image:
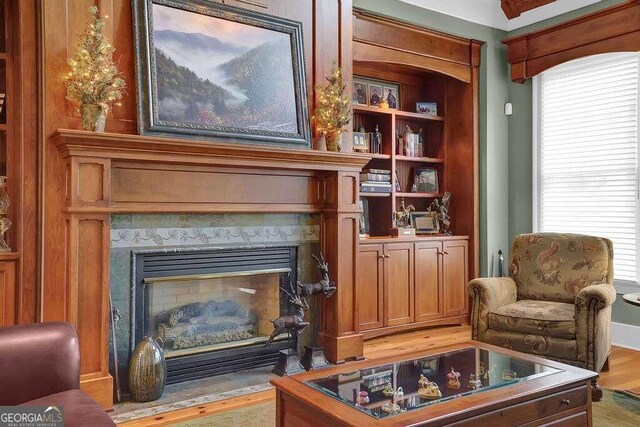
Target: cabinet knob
[(445, 253), (380, 256), (387, 256), (565, 402)]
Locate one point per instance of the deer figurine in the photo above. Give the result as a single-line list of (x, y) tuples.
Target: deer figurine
[(325, 285), (292, 322)]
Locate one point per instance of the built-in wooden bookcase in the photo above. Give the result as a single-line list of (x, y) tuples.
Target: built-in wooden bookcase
[(8, 260), (415, 86), (410, 282), (4, 84)]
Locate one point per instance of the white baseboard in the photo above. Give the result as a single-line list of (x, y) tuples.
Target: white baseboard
[(627, 336)]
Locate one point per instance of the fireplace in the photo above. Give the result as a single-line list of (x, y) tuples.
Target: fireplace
[(212, 307)]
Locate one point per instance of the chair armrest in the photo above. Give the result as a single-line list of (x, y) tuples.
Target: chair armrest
[(603, 295), (38, 360), (593, 324), (493, 292), (487, 295)]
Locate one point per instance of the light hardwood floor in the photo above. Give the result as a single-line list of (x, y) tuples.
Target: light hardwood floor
[(622, 375)]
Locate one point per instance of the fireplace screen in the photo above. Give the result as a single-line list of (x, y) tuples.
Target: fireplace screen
[(213, 313), (212, 307)]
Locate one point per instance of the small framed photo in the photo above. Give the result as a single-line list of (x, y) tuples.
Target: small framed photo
[(359, 96), (426, 180), (427, 108), (425, 222), (361, 142), (375, 94), (391, 93)]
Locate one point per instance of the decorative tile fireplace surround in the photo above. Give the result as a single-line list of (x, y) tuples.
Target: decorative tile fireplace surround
[(136, 236), (114, 184)]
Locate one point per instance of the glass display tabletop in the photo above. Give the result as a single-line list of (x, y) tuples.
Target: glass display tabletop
[(390, 389)]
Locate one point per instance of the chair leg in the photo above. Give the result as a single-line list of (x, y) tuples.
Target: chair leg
[(605, 367), (596, 391)]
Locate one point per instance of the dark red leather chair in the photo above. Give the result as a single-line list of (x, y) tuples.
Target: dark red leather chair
[(40, 365)]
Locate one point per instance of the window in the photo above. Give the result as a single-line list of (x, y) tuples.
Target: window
[(586, 114)]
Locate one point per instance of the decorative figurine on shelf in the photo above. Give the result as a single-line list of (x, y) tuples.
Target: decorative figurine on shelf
[(475, 382), (376, 141), (5, 223), (428, 389), (400, 393), (362, 399), (402, 221), (441, 210), (403, 216), (333, 111), (94, 81), (384, 104), (453, 381), (509, 375), (324, 285), (388, 390)]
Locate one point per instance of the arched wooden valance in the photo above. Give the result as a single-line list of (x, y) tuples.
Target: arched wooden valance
[(615, 29)]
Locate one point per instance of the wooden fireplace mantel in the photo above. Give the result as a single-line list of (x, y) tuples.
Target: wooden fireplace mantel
[(109, 173), (174, 150)]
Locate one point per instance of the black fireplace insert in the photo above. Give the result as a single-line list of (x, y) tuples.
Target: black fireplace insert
[(212, 307)]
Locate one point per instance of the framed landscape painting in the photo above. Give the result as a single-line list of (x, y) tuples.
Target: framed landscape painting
[(208, 70)]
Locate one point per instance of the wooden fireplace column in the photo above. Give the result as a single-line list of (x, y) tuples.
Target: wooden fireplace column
[(116, 173)]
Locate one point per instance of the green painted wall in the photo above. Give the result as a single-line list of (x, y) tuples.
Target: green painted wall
[(520, 154), (494, 210)]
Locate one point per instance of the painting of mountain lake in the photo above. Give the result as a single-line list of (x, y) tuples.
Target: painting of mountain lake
[(218, 72)]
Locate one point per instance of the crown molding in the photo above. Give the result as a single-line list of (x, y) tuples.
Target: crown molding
[(490, 14)]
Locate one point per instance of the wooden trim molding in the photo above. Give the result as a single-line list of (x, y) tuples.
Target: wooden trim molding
[(514, 8), (412, 45), (138, 148), (615, 29)]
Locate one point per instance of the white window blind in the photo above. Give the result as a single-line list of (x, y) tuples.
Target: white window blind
[(588, 153)]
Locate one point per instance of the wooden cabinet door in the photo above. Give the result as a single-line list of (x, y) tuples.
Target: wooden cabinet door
[(398, 284), (428, 292), (7, 293), (455, 275), (369, 289)]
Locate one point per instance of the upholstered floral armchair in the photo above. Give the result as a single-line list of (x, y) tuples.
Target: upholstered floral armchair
[(556, 304)]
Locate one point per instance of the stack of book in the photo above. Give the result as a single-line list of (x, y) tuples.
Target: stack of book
[(375, 181)]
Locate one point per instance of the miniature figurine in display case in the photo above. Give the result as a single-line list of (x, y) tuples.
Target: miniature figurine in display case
[(475, 382), (453, 379), (428, 389)]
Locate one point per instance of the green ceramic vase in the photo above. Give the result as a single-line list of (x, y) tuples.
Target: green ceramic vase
[(147, 371)]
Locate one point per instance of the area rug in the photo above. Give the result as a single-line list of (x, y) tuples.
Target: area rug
[(616, 409)]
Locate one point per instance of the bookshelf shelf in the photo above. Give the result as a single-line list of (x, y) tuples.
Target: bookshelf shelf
[(418, 195), (375, 194), (397, 113), (419, 159)]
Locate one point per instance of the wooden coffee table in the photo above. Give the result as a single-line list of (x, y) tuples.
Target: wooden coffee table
[(506, 388)]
